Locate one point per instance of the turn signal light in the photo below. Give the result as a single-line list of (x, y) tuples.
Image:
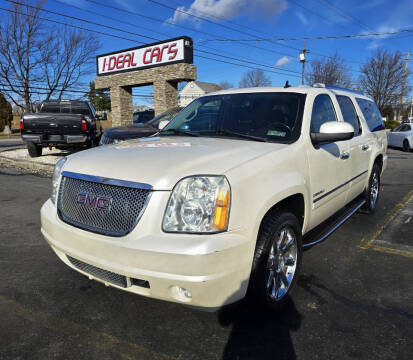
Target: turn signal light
[(221, 211), (21, 124), (83, 127)]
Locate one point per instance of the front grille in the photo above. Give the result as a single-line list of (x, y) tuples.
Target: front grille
[(99, 207), (105, 275), (104, 140)]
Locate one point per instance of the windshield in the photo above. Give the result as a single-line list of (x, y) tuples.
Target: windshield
[(167, 115), (249, 116)]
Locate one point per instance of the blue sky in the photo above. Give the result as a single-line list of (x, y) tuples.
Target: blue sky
[(249, 19)]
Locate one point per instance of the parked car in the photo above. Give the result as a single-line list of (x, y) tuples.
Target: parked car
[(223, 201), (401, 137), (121, 133), (60, 123), (142, 117)]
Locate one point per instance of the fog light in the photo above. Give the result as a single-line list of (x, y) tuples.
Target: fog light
[(180, 293)]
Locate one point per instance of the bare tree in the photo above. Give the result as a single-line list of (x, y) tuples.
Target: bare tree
[(332, 71), (254, 78), (382, 78), (38, 59), (226, 85)]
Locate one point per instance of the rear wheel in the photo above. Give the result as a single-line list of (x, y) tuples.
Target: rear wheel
[(277, 260), (406, 145), (34, 150), (371, 194)]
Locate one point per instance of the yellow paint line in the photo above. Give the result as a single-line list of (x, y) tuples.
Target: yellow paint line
[(408, 254), (81, 333), (367, 241)]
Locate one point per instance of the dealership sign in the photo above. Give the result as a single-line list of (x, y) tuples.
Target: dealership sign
[(178, 50)]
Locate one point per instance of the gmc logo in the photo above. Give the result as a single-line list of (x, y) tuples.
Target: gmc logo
[(94, 201)]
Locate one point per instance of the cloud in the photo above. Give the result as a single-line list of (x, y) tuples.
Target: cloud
[(302, 17), (283, 61), (229, 9)]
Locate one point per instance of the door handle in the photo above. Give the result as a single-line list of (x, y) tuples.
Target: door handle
[(365, 147), (344, 155)]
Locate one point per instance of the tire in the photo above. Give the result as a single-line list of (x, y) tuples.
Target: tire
[(406, 145), (275, 272), (34, 150), (372, 193)]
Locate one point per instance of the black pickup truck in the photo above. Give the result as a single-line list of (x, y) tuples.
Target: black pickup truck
[(60, 123)]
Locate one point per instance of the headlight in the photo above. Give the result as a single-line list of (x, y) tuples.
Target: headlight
[(56, 176), (198, 204)]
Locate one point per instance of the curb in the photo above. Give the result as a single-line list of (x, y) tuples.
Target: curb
[(25, 164)]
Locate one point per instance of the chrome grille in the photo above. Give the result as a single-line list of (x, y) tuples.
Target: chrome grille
[(124, 205), (99, 273), (104, 140)]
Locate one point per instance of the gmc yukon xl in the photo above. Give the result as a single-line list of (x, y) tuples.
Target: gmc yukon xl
[(221, 202)]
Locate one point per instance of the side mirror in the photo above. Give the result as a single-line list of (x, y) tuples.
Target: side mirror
[(333, 131), (162, 124)]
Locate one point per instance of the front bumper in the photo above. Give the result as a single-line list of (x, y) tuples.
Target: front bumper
[(214, 269)]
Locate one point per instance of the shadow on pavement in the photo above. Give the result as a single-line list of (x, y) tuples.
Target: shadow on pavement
[(258, 333)]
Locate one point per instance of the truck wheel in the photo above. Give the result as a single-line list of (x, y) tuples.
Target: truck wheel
[(277, 260), (371, 194), (406, 145), (34, 150)]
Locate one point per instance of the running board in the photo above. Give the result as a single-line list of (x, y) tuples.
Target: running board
[(326, 228)]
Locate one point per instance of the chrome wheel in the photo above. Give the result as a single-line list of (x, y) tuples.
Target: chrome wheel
[(374, 190), (281, 264)]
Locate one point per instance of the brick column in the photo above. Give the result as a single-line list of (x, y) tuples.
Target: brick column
[(122, 106), (165, 95)]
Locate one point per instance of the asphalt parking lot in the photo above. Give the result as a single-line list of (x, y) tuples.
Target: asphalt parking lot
[(354, 299)]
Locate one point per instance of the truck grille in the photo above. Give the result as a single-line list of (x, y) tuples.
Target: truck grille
[(101, 205), (99, 273)]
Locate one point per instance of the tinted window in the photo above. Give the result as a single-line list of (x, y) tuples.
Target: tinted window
[(323, 111), (398, 128), (349, 113), (66, 108), (270, 116), (371, 114)]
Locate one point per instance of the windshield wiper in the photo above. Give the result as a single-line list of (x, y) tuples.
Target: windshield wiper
[(179, 132), (240, 135)]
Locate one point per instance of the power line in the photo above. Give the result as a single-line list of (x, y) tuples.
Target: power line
[(321, 37), (232, 58), (207, 20), (174, 24), (343, 14), (132, 40), (234, 23)]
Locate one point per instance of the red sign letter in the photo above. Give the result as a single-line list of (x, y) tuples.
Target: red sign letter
[(172, 51)]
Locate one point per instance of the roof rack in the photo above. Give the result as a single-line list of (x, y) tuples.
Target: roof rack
[(334, 87)]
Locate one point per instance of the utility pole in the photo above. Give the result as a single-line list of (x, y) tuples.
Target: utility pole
[(303, 60), (403, 86)]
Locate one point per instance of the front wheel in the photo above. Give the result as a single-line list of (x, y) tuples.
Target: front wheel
[(277, 260), (371, 194), (406, 145)]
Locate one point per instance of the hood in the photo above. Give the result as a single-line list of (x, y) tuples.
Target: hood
[(129, 132), (163, 161)]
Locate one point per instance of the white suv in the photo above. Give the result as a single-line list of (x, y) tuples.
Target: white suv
[(222, 201)]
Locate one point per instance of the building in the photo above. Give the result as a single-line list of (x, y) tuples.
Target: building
[(195, 89)]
